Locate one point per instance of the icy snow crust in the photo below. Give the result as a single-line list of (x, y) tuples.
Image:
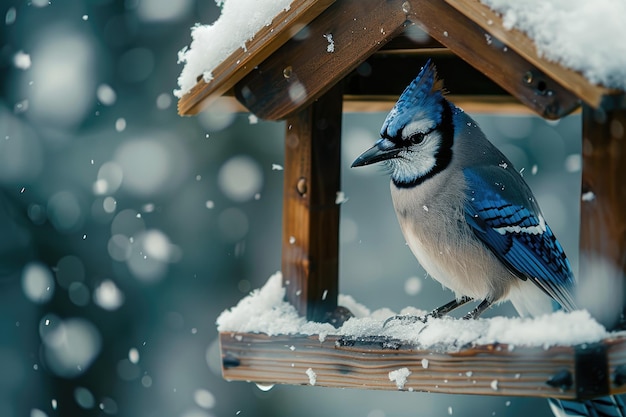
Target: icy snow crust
[(586, 36), (211, 44), (265, 311)]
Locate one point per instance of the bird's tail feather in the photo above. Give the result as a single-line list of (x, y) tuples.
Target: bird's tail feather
[(609, 406)]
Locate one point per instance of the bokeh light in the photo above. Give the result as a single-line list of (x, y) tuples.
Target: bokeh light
[(151, 166), (163, 10), (70, 346), (106, 95), (240, 178), (150, 253), (218, 116), (109, 179), (204, 398), (108, 296), (84, 398), (63, 66), (37, 283), (65, 211)]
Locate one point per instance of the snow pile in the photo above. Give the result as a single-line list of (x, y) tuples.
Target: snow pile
[(399, 376), (265, 311), (586, 36), (312, 376), (239, 21)]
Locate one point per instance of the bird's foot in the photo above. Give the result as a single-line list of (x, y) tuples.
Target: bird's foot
[(470, 316), (474, 314)]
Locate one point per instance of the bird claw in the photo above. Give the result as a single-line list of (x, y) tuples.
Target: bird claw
[(405, 319), (470, 316)]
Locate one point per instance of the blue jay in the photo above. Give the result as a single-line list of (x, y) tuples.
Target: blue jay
[(467, 215)]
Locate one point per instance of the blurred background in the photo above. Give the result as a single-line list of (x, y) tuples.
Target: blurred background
[(125, 229)]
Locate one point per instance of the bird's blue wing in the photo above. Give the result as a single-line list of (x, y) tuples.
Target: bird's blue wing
[(607, 406), (504, 216)]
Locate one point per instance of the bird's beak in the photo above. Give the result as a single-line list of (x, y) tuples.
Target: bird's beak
[(378, 152)]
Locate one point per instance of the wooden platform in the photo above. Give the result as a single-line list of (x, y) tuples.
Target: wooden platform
[(576, 372)]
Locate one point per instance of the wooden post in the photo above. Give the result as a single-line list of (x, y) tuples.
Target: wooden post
[(603, 216), (310, 259)]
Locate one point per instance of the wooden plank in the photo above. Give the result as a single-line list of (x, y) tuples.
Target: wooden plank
[(603, 215), (515, 40), (366, 363), (475, 104), (240, 62), (490, 104), (303, 68), (312, 178), (502, 64)]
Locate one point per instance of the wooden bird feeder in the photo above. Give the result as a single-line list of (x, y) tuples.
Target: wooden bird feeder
[(294, 78)]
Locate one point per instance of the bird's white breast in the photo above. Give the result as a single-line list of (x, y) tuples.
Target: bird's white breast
[(432, 219)]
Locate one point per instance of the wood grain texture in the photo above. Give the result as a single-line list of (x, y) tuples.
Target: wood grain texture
[(489, 104), (312, 178), (283, 71), (266, 90), (487, 53), (303, 69), (366, 363), (240, 62), (474, 104), (519, 42), (603, 215)]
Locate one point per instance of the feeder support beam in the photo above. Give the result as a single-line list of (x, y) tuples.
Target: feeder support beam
[(602, 278), (310, 240)]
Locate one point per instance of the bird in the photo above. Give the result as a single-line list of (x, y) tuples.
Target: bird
[(470, 218), (465, 212)]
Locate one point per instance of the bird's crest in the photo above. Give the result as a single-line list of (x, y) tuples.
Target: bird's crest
[(420, 100), (425, 85)]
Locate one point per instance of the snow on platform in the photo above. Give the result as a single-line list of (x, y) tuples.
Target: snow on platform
[(265, 311)]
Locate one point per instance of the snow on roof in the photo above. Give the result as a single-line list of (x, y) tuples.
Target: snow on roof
[(265, 311), (586, 36), (211, 44)]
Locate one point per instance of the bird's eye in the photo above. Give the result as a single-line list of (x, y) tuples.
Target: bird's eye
[(416, 138)]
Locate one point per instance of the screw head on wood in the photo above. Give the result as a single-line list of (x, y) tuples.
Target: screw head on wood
[(230, 361), (528, 77), (562, 380), (301, 186)]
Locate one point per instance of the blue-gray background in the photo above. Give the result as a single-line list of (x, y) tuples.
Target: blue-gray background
[(102, 182)]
